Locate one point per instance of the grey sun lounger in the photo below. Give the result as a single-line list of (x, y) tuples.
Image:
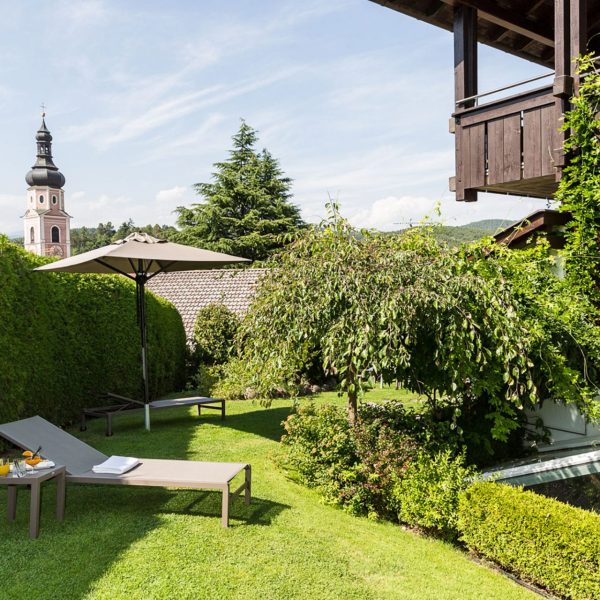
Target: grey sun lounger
[(122, 405), (79, 458)]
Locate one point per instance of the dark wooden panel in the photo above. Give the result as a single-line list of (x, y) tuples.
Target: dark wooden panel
[(532, 144), (477, 155), (458, 158), (503, 109), (466, 157), (542, 187), (549, 132), (512, 148), (495, 151)]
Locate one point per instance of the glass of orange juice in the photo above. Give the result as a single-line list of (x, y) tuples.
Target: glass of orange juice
[(4, 467)]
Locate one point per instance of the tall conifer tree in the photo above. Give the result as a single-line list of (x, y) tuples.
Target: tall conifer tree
[(246, 208)]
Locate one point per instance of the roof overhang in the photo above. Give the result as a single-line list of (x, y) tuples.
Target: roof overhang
[(542, 221), (522, 29)]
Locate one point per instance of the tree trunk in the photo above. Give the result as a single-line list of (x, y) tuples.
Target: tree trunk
[(352, 407)]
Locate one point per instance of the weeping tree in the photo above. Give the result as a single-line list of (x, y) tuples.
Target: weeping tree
[(398, 307)]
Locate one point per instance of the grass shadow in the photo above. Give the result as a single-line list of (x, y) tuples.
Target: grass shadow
[(266, 423)]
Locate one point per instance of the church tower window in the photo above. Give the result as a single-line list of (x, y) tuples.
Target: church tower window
[(55, 235), (32, 235), (54, 200), (41, 199)]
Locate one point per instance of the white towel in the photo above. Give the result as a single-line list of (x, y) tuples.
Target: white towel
[(116, 465), (43, 464)]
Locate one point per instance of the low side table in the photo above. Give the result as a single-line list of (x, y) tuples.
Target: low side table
[(34, 480)]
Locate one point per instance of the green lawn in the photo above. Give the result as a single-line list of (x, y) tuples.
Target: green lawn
[(128, 543)]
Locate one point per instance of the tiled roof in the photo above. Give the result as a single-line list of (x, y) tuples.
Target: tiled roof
[(190, 291)]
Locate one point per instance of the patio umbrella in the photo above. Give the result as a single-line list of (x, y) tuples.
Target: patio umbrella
[(140, 257)]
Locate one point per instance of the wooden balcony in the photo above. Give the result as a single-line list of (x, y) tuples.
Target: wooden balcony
[(509, 146)]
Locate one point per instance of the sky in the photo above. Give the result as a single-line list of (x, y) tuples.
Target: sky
[(143, 96)]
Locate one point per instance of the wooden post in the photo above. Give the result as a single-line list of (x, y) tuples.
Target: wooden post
[(578, 20), (563, 83), (465, 85)]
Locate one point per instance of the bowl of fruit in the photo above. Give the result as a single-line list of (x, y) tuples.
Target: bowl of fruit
[(32, 458)]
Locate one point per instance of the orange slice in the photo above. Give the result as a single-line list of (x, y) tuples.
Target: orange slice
[(28, 453)]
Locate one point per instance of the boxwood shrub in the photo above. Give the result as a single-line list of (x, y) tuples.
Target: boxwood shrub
[(64, 338), (540, 539)]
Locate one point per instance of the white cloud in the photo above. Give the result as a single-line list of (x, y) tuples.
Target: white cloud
[(174, 194), (392, 212), (108, 131)]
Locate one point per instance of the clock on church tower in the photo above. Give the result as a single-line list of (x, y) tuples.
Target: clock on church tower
[(46, 223)]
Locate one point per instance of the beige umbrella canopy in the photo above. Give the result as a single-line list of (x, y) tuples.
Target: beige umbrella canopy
[(140, 257)]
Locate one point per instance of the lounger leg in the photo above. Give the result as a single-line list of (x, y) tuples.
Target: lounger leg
[(11, 512), (199, 410), (222, 410), (248, 490), (60, 497), (34, 511), (108, 425), (225, 507), (82, 427)]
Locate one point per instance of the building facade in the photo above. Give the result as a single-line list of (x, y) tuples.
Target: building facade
[(46, 224)]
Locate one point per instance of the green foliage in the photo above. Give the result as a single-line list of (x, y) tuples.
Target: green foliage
[(404, 308), (561, 321), (540, 539), (579, 189), (246, 210), (320, 449), (64, 338), (427, 493), (353, 466), (90, 238), (214, 332), (207, 378)]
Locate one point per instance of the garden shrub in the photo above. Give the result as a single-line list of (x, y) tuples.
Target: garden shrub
[(65, 337), (541, 540), (207, 378), (214, 331), (320, 450), (355, 466), (427, 494)]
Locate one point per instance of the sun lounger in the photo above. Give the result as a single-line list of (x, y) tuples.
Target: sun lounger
[(122, 405), (79, 458)]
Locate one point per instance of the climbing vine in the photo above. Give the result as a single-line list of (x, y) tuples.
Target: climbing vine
[(579, 189)]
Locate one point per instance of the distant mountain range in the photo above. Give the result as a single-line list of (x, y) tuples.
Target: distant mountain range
[(455, 235)]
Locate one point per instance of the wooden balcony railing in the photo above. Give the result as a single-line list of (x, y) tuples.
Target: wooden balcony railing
[(509, 145)]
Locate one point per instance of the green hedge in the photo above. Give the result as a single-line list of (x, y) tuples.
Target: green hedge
[(544, 541), (64, 338)]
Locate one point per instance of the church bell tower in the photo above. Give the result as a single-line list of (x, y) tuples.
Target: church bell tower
[(46, 224)]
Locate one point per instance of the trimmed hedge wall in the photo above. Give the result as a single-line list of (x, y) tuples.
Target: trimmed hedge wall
[(64, 338), (544, 541)]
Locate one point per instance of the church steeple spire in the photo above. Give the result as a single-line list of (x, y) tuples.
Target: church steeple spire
[(44, 171)]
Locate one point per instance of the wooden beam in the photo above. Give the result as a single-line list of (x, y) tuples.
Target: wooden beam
[(578, 18), (465, 85), (562, 79), (465, 53), (433, 8), (490, 11)]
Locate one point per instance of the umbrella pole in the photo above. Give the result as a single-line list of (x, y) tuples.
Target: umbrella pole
[(141, 306)]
